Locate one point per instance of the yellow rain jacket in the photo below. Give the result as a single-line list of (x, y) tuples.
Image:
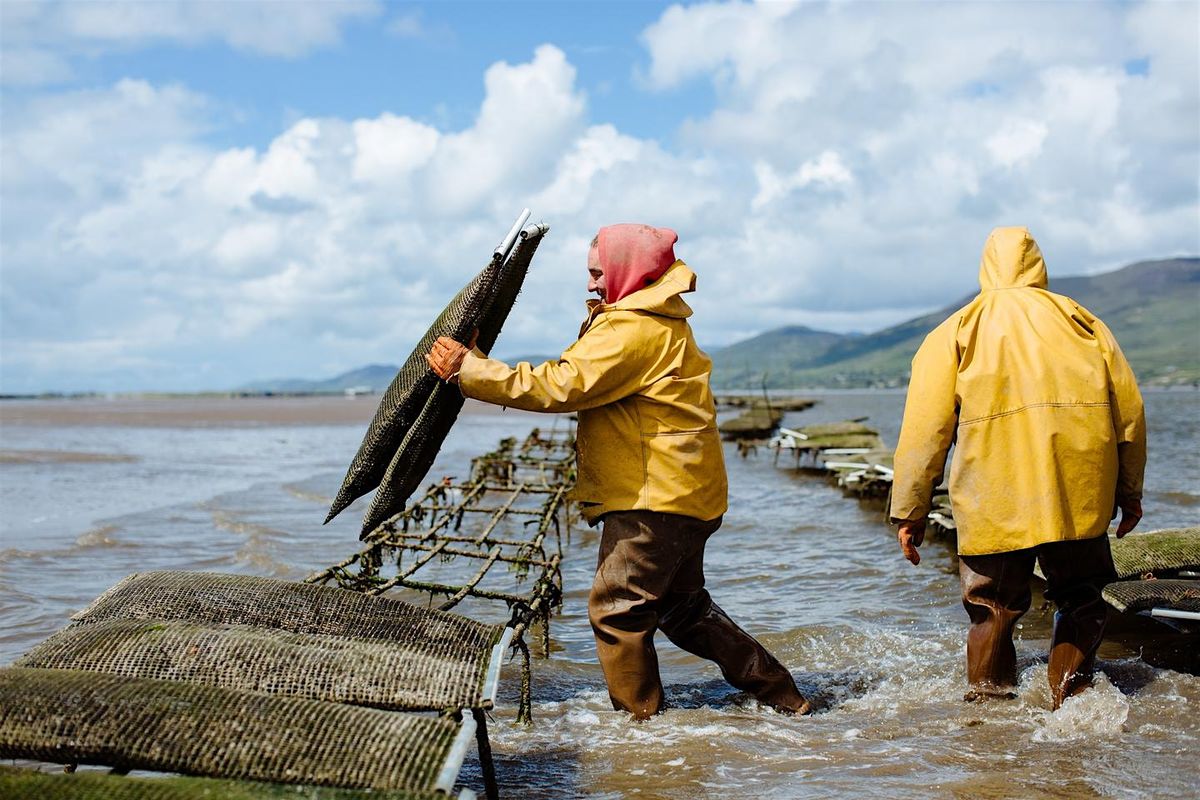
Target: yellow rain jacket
[(647, 436), (1047, 414)]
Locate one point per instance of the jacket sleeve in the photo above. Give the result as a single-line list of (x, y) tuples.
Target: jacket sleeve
[(1128, 415), (610, 361), (930, 422)]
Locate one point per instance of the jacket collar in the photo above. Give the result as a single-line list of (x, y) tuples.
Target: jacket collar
[(661, 297)]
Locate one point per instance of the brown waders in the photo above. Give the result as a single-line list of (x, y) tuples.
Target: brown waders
[(995, 591), (650, 575)]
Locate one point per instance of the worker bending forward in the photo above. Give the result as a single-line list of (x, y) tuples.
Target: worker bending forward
[(650, 466), (1051, 441)]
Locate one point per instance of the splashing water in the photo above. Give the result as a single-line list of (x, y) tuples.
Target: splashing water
[(1098, 712)]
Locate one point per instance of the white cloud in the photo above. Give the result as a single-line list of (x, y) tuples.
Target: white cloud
[(1017, 140), (530, 110), (951, 118), (288, 169), (407, 25), (599, 150), (325, 234), (87, 139), (851, 165), (20, 66), (827, 170), (246, 244), (40, 37), (389, 147)]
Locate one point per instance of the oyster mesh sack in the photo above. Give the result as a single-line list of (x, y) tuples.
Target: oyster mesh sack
[(420, 445), (274, 603), (66, 716), (480, 305), (28, 784), (400, 676)]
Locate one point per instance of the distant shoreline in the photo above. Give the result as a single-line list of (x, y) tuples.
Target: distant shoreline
[(204, 410), (108, 397)]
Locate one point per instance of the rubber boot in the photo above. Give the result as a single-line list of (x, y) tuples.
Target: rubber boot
[(698, 625), (995, 593), (649, 574), (1076, 573)]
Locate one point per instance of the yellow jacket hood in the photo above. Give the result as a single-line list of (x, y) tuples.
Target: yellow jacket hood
[(1011, 260)]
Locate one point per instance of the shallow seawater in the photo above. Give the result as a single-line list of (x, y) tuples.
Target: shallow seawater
[(817, 577)]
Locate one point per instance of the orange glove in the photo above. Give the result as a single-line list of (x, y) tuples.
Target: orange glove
[(446, 357), (911, 535)]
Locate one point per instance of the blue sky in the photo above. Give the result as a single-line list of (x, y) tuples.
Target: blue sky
[(423, 60), (195, 195)]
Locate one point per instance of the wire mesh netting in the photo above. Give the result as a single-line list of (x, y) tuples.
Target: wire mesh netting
[(296, 607), (67, 716), (412, 674), (1157, 551), (511, 512), (484, 304), (26, 784), (1133, 596), (415, 453)]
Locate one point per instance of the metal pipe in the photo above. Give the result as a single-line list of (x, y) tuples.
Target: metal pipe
[(443, 548), (506, 246), (446, 777), (1173, 613), (403, 540), (438, 588), (492, 681), (499, 515)]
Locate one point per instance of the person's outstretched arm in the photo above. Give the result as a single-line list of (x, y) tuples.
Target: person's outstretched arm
[(611, 361)]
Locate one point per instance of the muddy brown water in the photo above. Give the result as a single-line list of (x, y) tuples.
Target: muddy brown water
[(93, 490)]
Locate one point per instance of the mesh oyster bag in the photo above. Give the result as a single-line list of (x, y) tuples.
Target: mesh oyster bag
[(287, 605), (67, 716), (419, 447), (482, 304), (27, 784), (400, 676)]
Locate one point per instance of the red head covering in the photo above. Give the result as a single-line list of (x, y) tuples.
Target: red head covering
[(633, 257)]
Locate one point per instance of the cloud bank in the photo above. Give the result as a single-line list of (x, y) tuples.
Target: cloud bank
[(845, 177)]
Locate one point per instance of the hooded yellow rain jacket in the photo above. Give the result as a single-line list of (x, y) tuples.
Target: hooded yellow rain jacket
[(1046, 411), (647, 436)]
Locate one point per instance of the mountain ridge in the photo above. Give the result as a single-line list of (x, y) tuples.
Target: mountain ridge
[(1151, 307)]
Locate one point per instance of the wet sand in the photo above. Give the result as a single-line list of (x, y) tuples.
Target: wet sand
[(200, 411), (61, 457)]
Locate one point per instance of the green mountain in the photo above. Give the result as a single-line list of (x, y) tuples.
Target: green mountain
[(1153, 308), (777, 353), (371, 379)]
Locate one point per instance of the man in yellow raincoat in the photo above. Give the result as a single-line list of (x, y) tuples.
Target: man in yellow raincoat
[(1049, 441), (650, 466)]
